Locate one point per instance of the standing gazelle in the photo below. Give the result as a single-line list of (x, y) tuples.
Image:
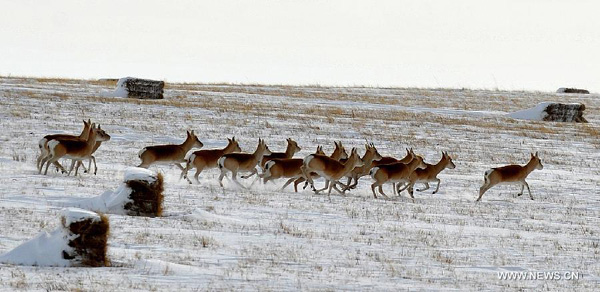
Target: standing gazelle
[(43, 144), (510, 174), (102, 136), (76, 149), (169, 154), (428, 174), (204, 159), (245, 162), (330, 169)]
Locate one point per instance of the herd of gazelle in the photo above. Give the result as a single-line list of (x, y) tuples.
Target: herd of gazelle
[(402, 173)]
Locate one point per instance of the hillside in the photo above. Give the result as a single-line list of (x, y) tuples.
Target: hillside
[(213, 238)]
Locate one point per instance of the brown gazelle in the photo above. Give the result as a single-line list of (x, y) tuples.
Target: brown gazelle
[(292, 148), (371, 154), (428, 174), (43, 144), (104, 137), (169, 154), (330, 169), (286, 168), (389, 160), (511, 174), (205, 159), (75, 149), (241, 162), (394, 173), (338, 154)]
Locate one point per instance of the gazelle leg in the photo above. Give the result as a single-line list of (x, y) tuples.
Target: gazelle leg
[(59, 166), (437, 188), (95, 166), (234, 178), (482, 191), (179, 166), (521, 192), (326, 187), (373, 186), (288, 182), (221, 177), (71, 168), (254, 171), (527, 185), (424, 189), (343, 191), (347, 186), (249, 175), (403, 188), (381, 191)]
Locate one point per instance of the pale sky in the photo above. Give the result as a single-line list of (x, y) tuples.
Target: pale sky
[(506, 44)]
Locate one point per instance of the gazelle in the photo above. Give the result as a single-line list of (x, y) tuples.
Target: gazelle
[(286, 168), (169, 154), (510, 174), (338, 154), (74, 149), (245, 162), (330, 169), (371, 155), (43, 144), (428, 174), (410, 154), (292, 148), (92, 157), (395, 173), (204, 159), (102, 136)]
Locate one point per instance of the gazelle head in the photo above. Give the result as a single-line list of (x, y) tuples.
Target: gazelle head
[(377, 155), (537, 161), (419, 159), (234, 145), (262, 148), (354, 159), (371, 150), (293, 146), (320, 150), (192, 136), (339, 149), (101, 135), (450, 164)]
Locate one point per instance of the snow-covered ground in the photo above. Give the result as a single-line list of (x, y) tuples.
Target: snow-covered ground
[(212, 238)]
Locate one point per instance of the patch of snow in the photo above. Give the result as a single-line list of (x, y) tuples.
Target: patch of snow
[(72, 215), (138, 173), (46, 249), (112, 202), (536, 113), (120, 90)]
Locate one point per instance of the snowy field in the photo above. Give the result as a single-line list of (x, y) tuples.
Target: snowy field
[(264, 239)]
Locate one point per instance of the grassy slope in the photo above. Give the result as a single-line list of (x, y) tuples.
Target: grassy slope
[(263, 238)]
